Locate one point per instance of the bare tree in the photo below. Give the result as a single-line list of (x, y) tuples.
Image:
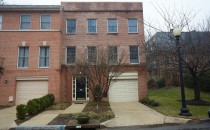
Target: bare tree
[(194, 46), (2, 2), (100, 68)]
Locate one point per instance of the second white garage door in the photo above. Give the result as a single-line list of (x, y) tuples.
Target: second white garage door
[(124, 90), (27, 90)]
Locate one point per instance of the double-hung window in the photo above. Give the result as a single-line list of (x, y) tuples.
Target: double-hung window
[(45, 22), (91, 26), (134, 54), (113, 55), (71, 26), (44, 55), (71, 55), (92, 54), (25, 21), (132, 26), (112, 26), (0, 22), (23, 57)]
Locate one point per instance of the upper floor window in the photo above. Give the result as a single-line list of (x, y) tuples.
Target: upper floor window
[(134, 54), (132, 26), (71, 55), (44, 54), (112, 26), (23, 57), (91, 26), (92, 54), (45, 21), (71, 26), (113, 55), (25, 21)]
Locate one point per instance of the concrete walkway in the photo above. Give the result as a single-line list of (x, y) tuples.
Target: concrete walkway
[(45, 117), (7, 117), (135, 113)]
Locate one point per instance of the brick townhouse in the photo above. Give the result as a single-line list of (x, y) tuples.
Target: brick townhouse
[(40, 42)]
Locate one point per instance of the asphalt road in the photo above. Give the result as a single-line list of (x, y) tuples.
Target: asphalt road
[(189, 126)]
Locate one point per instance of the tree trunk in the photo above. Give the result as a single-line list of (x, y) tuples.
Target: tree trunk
[(196, 89)]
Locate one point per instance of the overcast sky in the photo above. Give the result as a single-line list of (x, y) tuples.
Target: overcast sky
[(201, 7)]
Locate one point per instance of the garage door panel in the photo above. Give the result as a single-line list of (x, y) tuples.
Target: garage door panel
[(124, 91), (27, 90)]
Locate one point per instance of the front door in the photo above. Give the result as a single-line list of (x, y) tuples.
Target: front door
[(81, 88)]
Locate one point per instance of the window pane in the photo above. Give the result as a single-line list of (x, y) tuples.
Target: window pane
[(25, 22), (25, 25), (92, 25), (23, 57), (44, 57), (112, 25), (71, 25), (45, 18), (71, 55), (92, 55), (25, 18), (45, 22), (134, 54), (132, 26), (113, 59)]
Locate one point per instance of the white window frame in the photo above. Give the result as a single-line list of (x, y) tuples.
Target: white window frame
[(88, 26), (136, 25), (75, 27), (138, 55), (39, 57), (41, 22), (75, 55), (21, 22), (108, 25), (18, 57), (1, 19)]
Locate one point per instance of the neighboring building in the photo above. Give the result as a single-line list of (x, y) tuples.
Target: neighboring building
[(30, 40), (162, 58), (40, 42)]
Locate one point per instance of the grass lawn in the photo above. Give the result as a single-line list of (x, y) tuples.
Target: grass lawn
[(169, 105)]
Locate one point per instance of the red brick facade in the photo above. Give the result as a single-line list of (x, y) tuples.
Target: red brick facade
[(59, 79)]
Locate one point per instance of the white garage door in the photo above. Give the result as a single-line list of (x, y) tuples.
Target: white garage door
[(27, 90), (124, 90)]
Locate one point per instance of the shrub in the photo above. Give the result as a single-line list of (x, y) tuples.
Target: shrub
[(21, 111), (151, 83), (32, 107), (97, 93), (161, 82), (150, 102)]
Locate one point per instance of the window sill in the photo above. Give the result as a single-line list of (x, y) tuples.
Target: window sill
[(43, 67), (88, 33), (133, 33)]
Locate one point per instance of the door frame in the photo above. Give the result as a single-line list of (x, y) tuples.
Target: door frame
[(74, 89)]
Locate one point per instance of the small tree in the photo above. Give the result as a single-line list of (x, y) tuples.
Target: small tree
[(100, 68)]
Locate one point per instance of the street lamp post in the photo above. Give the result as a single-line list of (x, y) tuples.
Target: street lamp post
[(184, 110)]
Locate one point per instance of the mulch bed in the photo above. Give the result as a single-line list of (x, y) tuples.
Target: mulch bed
[(103, 113), (197, 102), (102, 107)]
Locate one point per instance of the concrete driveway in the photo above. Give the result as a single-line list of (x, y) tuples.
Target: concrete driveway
[(7, 117), (135, 113)]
